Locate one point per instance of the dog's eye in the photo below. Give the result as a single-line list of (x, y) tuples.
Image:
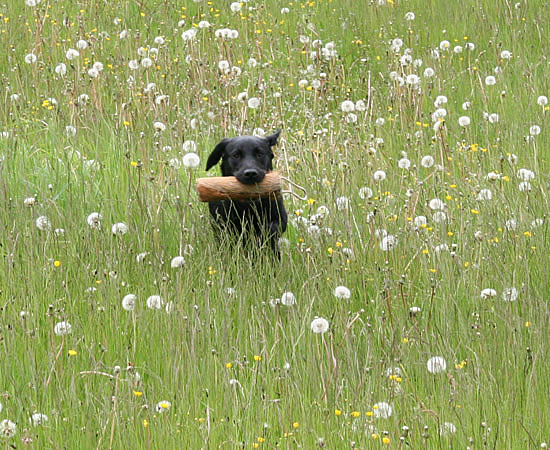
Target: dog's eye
[(258, 153), (236, 155)]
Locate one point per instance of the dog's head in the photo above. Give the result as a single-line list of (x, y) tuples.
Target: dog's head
[(248, 158)]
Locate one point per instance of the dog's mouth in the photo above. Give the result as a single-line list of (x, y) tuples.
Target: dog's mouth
[(250, 176)]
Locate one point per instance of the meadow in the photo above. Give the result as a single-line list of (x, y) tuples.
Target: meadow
[(410, 305)]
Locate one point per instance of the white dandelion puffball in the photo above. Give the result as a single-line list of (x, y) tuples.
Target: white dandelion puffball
[(511, 224), (61, 69), (235, 6), (94, 220), (388, 243), (177, 262), (360, 105), (133, 64), (319, 325), (154, 302), (30, 58), (342, 292), (62, 328), (490, 80), (420, 221), (526, 174), (488, 292), (347, 106), (510, 294), (203, 24), (409, 16), (542, 100), (163, 406), (43, 223), (288, 299), (191, 160), (81, 44), (146, 63), (159, 126), (382, 410), (342, 203), (365, 193), (129, 302), (436, 364), (72, 54), (447, 428), (534, 130), (7, 428), (464, 121), (253, 102), (119, 228), (404, 163), (29, 202), (439, 216), (436, 203), (506, 54), (525, 186), (189, 146), (38, 419), (429, 72), (379, 175), (484, 194), (427, 161)]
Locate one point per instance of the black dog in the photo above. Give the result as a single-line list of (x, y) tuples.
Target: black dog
[(248, 158)]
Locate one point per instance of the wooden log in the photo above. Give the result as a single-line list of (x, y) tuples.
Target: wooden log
[(224, 188)]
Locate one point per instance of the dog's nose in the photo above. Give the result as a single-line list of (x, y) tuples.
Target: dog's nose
[(250, 174)]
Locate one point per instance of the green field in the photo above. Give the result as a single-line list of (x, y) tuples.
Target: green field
[(420, 131)]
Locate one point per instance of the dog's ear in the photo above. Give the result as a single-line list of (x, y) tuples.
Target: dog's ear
[(272, 140), (216, 154)]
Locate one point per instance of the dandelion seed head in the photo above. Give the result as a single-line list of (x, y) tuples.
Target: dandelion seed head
[(7, 428), (43, 223), (62, 328), (382, 410), (342, 292), (129, 302), (191, 160), (319, 325), (347, 106), (488, 293), (154, 302), (510, 294), (542, 100), (490, 80), (365, 193), (38, 419), (436, 364), (119, 228), (388, 243), (288, 299)]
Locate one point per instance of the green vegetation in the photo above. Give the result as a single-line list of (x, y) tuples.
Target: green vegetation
[(422, 140)]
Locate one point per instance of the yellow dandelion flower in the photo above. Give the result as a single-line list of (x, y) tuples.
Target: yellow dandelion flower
[(295, 425), (355, 414), (385, 440), (257, 358), (138, 393), (228, 365), (57, 263), (72, 352), (337, 412)]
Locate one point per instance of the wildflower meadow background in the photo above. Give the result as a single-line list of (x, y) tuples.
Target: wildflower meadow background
[(410, 307)]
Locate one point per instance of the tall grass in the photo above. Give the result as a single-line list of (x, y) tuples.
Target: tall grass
[(224, 363)]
